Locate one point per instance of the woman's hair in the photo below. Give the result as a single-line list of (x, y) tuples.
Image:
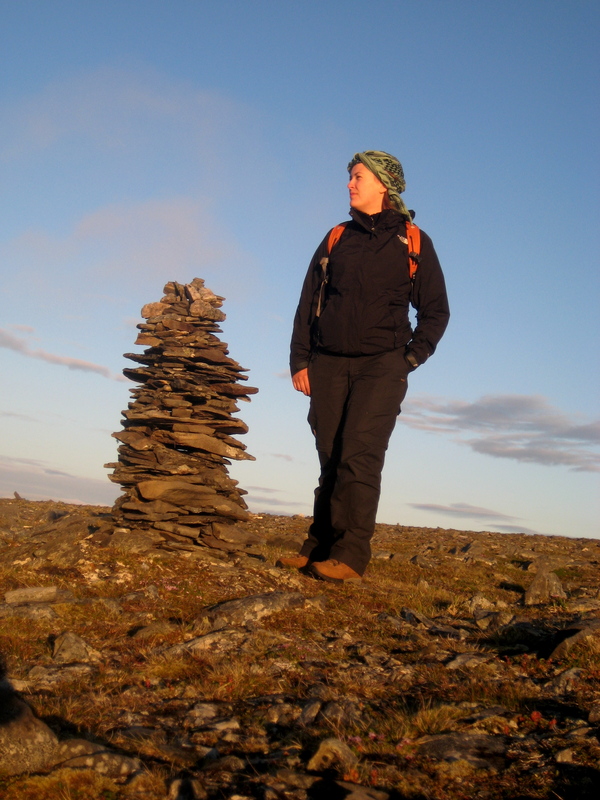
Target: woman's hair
[(387, 203)]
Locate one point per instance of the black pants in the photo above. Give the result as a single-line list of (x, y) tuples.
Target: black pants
[(353, 409)]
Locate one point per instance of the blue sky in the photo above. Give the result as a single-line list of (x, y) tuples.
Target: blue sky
[(145, 141)]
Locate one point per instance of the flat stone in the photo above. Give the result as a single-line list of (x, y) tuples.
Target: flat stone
[(415, 618), (136, 440), (35, 611), (468, 660), (105, 762), (309, 712), (176, 492), (69, 648), (333, 753), (581, 733), (283, 713), (154, 310), (223, 725), (74, 748), (202, 714), (233, 533), (198, 308), (246, 609), (546, 586), (480, 602), (48, 677), (186, 531), (395, 622), (39, 594), (220, 641), (26, 743), (476, 552), (210, 444), (479, 750), (492, 620), (340, 712)]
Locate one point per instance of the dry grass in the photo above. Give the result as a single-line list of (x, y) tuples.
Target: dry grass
[(291, 653), (65, 784)]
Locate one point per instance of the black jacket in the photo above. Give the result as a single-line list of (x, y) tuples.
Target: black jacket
[(368, 295)]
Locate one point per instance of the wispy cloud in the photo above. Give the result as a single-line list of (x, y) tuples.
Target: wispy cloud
[(20, 345), (283, 456), (119, 110), (127, 125), (520, 427), (262, 498), (262, 490), (15, 415), (497, 519), (38, 480), (462, 510), (154, 239)]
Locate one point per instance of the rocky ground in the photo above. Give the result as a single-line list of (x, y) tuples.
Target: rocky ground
[(466, 665)]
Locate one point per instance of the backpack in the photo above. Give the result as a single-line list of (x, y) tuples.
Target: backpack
[(412, 241)]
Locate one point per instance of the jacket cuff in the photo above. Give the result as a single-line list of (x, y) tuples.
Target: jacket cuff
[(297, 366)]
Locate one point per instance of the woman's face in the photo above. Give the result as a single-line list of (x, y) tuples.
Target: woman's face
[(366, 190)]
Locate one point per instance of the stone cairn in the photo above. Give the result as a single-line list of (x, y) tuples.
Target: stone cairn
[(176, 440)]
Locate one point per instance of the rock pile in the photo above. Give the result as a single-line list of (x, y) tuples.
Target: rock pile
[(176, 440)]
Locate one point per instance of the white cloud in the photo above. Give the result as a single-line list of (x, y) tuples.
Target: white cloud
[(520, 427)]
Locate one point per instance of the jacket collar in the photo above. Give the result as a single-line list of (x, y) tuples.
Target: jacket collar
[(387, 219)]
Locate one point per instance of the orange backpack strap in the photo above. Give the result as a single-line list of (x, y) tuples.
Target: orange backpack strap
[(334, 236), (413, 238)]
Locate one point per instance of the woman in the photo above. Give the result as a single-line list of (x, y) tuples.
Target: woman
[(352, 349)]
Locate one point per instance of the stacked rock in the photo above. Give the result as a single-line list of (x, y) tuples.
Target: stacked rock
[(176, 440)]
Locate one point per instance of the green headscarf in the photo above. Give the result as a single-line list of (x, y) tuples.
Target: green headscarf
[(389, 171)]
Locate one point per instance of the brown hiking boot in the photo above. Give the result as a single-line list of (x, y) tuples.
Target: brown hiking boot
[(297, 562), (334, 571)]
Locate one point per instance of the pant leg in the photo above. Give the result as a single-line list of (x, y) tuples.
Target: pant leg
[(378, 387), (354, 405), (329, 378)]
